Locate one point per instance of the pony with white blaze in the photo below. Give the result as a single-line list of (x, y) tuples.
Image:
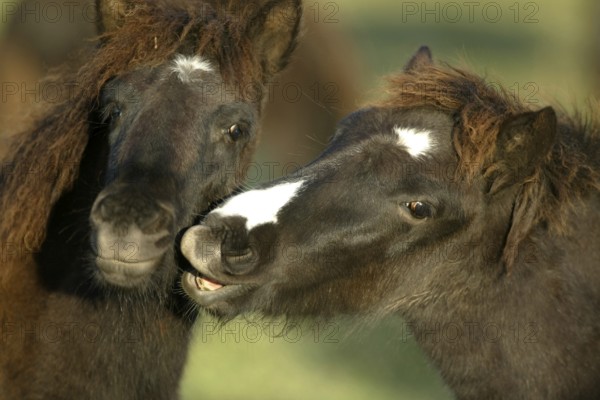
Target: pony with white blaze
[(450, 204)]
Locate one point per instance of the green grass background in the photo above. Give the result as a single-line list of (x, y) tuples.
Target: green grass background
[(555, 56)]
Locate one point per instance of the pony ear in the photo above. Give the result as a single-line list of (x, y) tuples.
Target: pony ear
[(523, 142), (110, 14), (422, 58), (273, 30)]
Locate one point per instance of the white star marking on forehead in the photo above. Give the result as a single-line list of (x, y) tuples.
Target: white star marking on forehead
[(185, 67), (416, 142), (259, 206)]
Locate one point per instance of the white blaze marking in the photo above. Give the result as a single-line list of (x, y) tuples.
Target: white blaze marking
[(417, 142), (259, 206), (185, 67)]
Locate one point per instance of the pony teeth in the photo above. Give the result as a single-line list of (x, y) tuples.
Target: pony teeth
[(206, 285)]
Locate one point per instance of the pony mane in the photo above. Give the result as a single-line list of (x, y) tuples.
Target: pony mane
[(43, 163), (569, 173)]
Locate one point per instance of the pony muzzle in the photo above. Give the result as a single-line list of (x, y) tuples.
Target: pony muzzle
[(130, 236), (210, 281)]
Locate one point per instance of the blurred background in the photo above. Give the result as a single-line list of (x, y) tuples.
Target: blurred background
[(542, 51)]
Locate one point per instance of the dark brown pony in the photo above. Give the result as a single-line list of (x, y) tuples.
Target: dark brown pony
[(450, 203), (32, 44), (160, 117)]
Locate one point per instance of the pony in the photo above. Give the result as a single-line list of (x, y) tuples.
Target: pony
[(449, 203), (158, 120), (32, 45)]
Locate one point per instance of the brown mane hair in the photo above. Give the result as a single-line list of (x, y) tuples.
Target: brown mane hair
[(480, 108), (43, 163)]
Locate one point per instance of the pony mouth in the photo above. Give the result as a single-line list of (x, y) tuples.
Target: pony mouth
[(126, 273), (207, 291)]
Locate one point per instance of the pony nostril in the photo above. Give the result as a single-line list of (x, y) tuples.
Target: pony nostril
[(239, 258), (157, 222), (100, 212), (238, 255), (103, 210), (239, 262)]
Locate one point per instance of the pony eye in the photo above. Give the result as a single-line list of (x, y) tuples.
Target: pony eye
[(115, 113), (112, 114), (235, 132), (419, 209)]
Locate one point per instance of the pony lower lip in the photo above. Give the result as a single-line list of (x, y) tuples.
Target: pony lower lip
[(129, 269)]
